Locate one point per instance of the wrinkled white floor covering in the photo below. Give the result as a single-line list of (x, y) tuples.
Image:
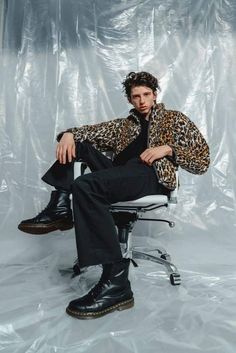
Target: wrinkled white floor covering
[(198, 316)]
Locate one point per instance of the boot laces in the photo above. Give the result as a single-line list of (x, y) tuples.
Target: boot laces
[(47, 208), (96, 290), (42, 213)]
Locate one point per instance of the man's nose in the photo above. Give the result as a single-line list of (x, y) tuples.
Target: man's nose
[(142, 100)]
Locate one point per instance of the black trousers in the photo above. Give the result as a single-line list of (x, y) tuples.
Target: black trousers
[(96, 236)]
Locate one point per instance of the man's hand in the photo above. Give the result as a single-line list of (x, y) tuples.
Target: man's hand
[(66, 148), (154, 153)]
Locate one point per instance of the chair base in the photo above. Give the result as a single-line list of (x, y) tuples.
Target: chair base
[(161, 258), (125, 221)]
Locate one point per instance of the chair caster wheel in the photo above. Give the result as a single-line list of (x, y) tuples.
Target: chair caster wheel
[(171, 224), (166, 257), (175, 279)]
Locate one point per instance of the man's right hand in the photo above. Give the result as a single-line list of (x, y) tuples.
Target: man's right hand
[(66, 148)]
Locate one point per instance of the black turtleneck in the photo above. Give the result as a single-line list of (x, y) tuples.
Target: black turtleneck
[(135, 148)]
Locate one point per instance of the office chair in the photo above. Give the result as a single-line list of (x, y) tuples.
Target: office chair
[(126, 214)]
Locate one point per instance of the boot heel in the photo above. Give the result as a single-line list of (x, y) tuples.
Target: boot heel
[(66, 227), (126, 305)]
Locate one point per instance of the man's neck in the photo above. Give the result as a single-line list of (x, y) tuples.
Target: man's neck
[(147, 116)]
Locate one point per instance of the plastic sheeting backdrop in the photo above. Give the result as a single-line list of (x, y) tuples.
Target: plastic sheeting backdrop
[(62, 65)]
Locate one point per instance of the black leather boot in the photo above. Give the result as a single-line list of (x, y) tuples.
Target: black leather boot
[(57, 215), (112, 292)]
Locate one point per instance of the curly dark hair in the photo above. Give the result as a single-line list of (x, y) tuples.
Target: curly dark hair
[(139, 79)]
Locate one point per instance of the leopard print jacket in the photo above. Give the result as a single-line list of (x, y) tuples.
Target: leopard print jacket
[(166, 127)]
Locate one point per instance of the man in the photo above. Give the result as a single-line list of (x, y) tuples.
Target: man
[(148, 147)]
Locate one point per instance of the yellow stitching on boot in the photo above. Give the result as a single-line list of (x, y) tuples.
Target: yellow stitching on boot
[(100, 312)]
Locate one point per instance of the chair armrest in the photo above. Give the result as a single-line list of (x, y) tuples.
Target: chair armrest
[(80, 168), (174, 193)]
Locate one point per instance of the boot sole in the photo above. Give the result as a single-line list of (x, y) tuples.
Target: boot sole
[(44, 229), (127, 304)]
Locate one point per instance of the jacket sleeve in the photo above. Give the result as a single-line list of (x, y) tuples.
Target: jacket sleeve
[(103, 135), (191, 151)]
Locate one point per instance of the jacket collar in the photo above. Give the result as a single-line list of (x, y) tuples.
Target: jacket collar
[(156, 110)]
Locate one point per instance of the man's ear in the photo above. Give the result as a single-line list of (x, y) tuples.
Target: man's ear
[(155, 96)]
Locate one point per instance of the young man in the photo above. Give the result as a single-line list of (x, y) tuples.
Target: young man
[(148, 146)]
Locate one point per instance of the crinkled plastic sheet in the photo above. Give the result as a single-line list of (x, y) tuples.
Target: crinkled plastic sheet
[(62, 65)]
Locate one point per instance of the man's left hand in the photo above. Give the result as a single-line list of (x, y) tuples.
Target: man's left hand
[(154, 153)]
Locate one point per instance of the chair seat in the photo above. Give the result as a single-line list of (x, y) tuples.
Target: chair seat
[(144, 201)]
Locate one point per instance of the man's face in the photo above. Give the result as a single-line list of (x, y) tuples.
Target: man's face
[(142, 98)]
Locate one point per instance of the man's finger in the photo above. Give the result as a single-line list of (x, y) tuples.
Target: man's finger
[(57, 152), (73, 151), (151, 160), (60, 154), (148, 155), (144, 153), (65, 156), (69, 153)]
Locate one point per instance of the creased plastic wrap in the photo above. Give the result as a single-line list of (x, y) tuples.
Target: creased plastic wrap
[(61, 65)]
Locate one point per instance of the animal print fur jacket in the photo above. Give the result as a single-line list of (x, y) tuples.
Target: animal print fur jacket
[(166, 127)]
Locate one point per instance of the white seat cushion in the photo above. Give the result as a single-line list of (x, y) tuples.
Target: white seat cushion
[(144, 201)]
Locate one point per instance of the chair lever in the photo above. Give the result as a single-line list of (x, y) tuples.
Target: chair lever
[(171, 223), (134, 263)]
